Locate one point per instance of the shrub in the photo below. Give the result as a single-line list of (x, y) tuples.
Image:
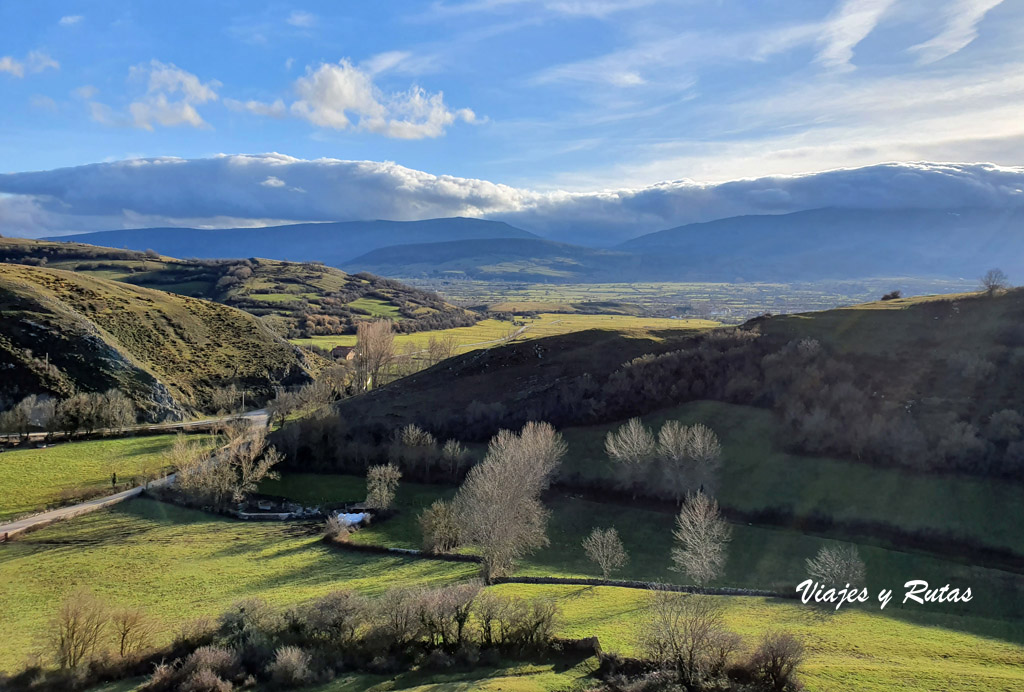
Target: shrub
[(776, 660), (205, 680), (290, 667)]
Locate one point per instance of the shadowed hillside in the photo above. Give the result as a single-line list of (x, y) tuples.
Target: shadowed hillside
[(62, 331)]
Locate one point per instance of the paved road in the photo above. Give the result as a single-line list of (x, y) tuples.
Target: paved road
[(12, 529), (9, 531), (259, 417)]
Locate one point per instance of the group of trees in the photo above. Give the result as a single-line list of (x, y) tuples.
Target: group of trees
[(227, 474), (498, 507), (254, 643), (82, 412), (682, 459), (85, 626), (686, 641)]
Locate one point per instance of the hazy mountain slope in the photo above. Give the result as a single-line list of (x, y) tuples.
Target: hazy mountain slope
[(522, 259), (298, 299), (62, 331), (837, 243), (331, 243)]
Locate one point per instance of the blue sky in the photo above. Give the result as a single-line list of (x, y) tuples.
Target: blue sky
[(547, 96)]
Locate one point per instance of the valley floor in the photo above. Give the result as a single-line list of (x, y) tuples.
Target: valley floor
[(180, 564)]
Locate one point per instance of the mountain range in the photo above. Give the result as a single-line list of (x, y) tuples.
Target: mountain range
[(808, 245)]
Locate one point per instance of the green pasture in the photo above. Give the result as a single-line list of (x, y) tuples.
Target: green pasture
[(31, 479)]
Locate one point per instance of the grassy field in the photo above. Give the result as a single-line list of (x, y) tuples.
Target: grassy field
[(757, 475), (179, 564), (759, 558), (30, 479), (851, 650), (491, 331)]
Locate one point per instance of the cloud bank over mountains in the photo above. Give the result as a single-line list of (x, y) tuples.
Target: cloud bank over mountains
[(257, 190)]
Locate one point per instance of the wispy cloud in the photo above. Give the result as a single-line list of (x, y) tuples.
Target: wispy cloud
[(35, 61), (170, 98), (580, 8), (276, 109), (301, 19), (850, 25), (70, 19), (961, 28)]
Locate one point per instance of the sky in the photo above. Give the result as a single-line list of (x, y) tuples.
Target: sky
[(544, 103)]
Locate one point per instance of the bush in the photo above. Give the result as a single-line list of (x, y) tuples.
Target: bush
[(290, 667), (205, 680), (776, 659)]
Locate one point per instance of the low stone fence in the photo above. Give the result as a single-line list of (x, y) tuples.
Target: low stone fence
[(645, 585), (408, 552)]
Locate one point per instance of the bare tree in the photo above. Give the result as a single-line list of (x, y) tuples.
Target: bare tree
[(499, 504), (994, 281), (133, 630), (249, 458), (78, 627), (604, 548), (440, 526), (836, 566), (375, 353), (454, 455), (117, 410), (413, 435), (632, 444), (226, 400), (686, 635), (381, 484), (674, 452), (234, 471), (776, 660), (705, 450), (701, 536), (440, 348)]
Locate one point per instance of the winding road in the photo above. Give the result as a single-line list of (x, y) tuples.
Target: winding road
[(12, 529)]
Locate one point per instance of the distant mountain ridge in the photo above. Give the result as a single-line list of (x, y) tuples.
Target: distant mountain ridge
[(846, 243), (331, 243), (828, 243)]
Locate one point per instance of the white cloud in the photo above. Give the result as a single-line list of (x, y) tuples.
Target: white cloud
[(277, 109), (171, 96), (35, 61), (850, 25), (86, 92), (235, 191), (342, 96), (70, 19), (581, 8), (11, 66), (38, 61), (960, 30), (43, 103), (301, 19)]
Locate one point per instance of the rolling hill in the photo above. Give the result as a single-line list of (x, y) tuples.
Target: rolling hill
[(331, 243), (502, 259), (297, 299), (64, 331)]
